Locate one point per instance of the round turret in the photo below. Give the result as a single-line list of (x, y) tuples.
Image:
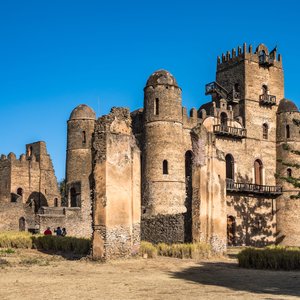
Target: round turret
[(163, 159), (81, 127), (82, 112), (288, 160), (286, 105)]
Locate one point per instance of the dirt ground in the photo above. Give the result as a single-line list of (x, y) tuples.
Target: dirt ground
[(33, 275)]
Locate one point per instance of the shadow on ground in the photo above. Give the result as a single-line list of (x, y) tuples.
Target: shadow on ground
[(229, 275)]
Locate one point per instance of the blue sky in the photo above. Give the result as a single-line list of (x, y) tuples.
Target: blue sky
[(55, 55)]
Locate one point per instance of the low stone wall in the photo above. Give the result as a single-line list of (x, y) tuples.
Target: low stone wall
[(163, 229)]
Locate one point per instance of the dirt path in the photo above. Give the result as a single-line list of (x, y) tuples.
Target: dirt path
[(32, 275)]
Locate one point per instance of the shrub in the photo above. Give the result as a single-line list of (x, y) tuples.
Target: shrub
[(66, 244), (147, 249), (15, 240), (194, 251), (274, 257)]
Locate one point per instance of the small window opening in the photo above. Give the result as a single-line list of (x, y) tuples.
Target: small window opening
[(289, 172), (20, 192), (156, 106), (265, 89), (287, 131), (55, 202), (265, 131), (237, 88), (165, 167), (83, 137)]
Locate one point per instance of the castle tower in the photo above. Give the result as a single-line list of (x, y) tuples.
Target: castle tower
[(79, 162), (252, 83), (163, 168), (288, 162)]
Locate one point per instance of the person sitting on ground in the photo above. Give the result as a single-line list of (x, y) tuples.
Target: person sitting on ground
[(64, 232), (58, 231), (48, 231)]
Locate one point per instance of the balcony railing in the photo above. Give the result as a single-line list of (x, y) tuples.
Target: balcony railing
[(267, 99), (251, 188), (229, 131)]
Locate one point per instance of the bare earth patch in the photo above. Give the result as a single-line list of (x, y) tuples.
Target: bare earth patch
[(33, 275)]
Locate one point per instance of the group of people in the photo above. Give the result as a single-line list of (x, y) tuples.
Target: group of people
[(58, 231)]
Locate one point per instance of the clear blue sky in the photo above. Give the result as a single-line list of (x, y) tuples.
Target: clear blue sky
[(55, 55)]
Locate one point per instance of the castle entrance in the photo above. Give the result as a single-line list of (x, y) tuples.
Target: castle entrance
[(231, 229)]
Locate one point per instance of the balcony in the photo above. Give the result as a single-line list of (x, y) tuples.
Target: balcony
[(251, 188), (266, 99), (214, 87), (234, 132)]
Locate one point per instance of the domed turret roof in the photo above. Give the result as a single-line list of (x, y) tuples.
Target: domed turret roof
[(81, 112), (286, 105), (161, 77)]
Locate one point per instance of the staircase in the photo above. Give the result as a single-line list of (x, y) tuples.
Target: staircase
[(214, 87)]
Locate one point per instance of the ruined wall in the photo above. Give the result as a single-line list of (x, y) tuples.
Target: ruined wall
[(26, 184), (209, 194), (117, 195)]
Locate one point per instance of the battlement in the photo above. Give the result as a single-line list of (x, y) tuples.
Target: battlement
[(261, 55), (190, 120)]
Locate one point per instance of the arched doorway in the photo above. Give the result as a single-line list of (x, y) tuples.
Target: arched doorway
[(22, 224), (258, 168), (231, 230), (188, 199), (223, 120)]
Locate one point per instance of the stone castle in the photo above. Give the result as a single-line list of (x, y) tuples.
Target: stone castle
[(225, 174)]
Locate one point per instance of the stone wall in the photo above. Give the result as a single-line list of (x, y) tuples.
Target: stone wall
[(117, 193)]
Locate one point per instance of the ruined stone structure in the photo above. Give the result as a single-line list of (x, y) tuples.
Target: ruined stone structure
[(26, 185), (226, 174)]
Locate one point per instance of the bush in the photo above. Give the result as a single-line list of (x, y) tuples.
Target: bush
[(148, 250), (26, 240), (195, 251), (15, 240), (274, 258), (66, 244)]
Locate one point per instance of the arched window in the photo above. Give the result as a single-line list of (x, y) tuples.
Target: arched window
[(20, 192), (265, 131), (223, 120), (265, 89), (262, 57), (156, 106), (229, 166), (258, 167), (55, 202), (165, 167), (287, 131), (237, 88), (83, 137), (289, 172)]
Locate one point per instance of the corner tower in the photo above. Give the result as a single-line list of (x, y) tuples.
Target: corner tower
[(81, 127), (163, 161), (288, 173)]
